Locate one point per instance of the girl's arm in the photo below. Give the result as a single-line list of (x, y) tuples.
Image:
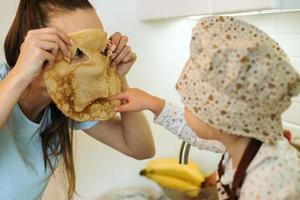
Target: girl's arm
[(167, 115)]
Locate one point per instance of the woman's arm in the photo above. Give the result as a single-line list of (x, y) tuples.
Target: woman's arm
[(40, 45), (11, 89), (129, 134)]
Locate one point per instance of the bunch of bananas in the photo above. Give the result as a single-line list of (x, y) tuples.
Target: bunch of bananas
[(168, 173)]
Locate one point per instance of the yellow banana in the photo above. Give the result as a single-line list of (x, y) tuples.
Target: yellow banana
[(179, 185), (171, 161), (170, 167)]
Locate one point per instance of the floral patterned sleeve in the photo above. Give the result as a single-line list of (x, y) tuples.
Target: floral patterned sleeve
[(172, 118)]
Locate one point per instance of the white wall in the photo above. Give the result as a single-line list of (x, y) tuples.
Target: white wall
[(162, 47), (7, 12)]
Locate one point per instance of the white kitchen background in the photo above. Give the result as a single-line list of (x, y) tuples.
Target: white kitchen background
[(162, 47)]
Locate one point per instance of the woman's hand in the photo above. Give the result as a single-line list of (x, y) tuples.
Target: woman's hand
[(39, 50), (123, 57), (135, 100)]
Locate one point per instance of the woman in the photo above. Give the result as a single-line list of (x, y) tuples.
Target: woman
[(34, 134)]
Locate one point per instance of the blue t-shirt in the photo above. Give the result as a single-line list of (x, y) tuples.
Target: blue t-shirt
[(22, 171)]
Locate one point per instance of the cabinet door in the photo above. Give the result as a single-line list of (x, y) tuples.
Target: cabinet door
[(159, 9), (176, 8), (237, 6), (151, 9), (288, 4)]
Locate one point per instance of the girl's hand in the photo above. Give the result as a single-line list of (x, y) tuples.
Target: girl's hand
[(135, 100), (39, 49), (123, 57)]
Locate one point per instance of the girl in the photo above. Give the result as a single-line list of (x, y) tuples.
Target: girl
[(235, 86), (34, 134)]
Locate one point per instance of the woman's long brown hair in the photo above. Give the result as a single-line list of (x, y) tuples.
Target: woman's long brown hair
[(57, 138)]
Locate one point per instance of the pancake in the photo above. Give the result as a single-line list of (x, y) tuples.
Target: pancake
[(79, 87)]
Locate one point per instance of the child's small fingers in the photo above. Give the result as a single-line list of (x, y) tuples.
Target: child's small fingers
[(120, 96), (112, 98), (115, 97), (122, 108)]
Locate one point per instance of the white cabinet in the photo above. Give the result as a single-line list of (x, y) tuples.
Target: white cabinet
[(152, 9), (239, 6), (175, 8), (159, 9)]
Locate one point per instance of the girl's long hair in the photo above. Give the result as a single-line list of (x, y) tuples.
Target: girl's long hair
[(57, 138)]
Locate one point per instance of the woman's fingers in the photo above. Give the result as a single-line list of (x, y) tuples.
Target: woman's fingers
[(131, 56), (47, 58), (120, 58), (52, 35), (51, 30), (39, 50), (122, 44), (55, 39), (55, 49), (118, 41), (115, 40), (47, 46)]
